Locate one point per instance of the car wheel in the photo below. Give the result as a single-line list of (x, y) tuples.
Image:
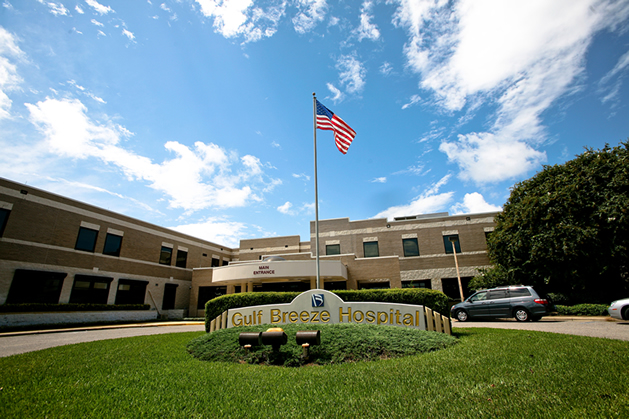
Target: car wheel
[(625, 313), (461, 316), (522, 315)]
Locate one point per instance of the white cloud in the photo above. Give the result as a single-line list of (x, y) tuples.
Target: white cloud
[(428, 202), (337, 95), (97, 23), (128, 34), (9, 78), (199, 177), (352, 73), (367, 30), (611, 92), (78, 9), (474, 203), (414, 100), (285, 209), (57, 9), (382, 179), (485, 157), (311, 12), (99, 8), (520, 56), (234, 18), (301, 176), (215, 229), (386, 68)]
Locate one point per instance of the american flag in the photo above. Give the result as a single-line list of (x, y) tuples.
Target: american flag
[(327, 120)]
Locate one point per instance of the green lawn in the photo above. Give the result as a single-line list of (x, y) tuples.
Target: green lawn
[(489, 373)]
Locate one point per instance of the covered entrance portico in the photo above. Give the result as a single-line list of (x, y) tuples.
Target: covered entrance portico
[(271, 274)]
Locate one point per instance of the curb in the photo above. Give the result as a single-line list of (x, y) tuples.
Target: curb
[(102, 327)]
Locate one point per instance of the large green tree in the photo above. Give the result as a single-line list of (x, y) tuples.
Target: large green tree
[(566, 230)]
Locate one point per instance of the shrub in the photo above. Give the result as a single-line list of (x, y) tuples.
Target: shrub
[(583, 310), (43, 307), (436, 300)]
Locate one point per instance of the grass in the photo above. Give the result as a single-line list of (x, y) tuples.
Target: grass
[(339, 343), (489, 373)]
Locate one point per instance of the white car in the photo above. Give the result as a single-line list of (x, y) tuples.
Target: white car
[(619, 309)]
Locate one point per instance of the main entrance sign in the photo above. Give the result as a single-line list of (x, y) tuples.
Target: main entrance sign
[(324, 307)]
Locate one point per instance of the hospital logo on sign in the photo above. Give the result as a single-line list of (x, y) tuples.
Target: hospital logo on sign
[(317, 300)]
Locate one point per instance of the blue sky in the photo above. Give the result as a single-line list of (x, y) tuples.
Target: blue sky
[(197, 115)]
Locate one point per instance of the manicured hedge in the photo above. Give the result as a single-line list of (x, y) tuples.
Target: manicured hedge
[(43, 307), (583, 310), (436, 300)]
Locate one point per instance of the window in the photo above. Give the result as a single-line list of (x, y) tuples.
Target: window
[(519, 292), (225, 262), (35, 287), (332, 249), (112, 245), (165, 255), (411, 248), (182, 258), (90, 289), (497, 294), (421, 283), (216, 262), (4, 216), (481, 296), (86, 239), (335, 286), (448, 244), (131, 291), (373, 285), (208, 293), (371, 249)]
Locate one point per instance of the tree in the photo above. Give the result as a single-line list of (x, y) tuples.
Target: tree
[(566, 230)]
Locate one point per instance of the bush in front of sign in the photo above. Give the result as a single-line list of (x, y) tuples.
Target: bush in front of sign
[(436, 300), (340, 343)]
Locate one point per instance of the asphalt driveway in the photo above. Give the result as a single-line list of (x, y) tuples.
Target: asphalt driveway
[(21, 342)]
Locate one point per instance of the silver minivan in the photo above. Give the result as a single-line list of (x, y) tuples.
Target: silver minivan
[(521, 302)]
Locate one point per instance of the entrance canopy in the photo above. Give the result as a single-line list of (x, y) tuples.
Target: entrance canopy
[(279, 271)]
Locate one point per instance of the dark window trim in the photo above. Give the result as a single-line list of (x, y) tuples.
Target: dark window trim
[(78, 239), (377, 249), (411, 239), (332, 246), (166, 251), (110, 253), (4, 220)]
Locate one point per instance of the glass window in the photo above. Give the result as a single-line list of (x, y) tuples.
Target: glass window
[(422, 283), (165, 255), (496, 294), (208, 293), (448, 244), (519, 292), (90, 289), (225, 262), (411, 248), (86, 239), (182, 258), (371, 249), (216, 262), (332, 249), (112, 245), (4, 216), (481, 296), (131, 291), (35, 287), (170, 294)]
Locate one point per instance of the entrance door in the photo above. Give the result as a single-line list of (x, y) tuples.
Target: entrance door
[(170, 292)]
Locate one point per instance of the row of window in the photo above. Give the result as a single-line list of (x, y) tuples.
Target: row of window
[(30, 286), (410, 246)]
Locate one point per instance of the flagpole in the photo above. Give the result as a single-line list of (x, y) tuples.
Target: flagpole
[(314, 114)]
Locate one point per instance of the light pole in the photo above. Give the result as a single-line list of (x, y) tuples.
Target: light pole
[(453, 240)]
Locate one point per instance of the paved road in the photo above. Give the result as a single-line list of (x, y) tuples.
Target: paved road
[(598, 328), (17, 344), (34, 341)]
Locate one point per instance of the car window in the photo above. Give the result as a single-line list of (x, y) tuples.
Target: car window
[(496, 294), (520, 292), (479, 297)]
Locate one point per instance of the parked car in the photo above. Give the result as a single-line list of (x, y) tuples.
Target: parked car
[(619, 309), (521, 302)]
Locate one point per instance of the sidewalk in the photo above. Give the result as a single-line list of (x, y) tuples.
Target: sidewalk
[(101, 327)]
